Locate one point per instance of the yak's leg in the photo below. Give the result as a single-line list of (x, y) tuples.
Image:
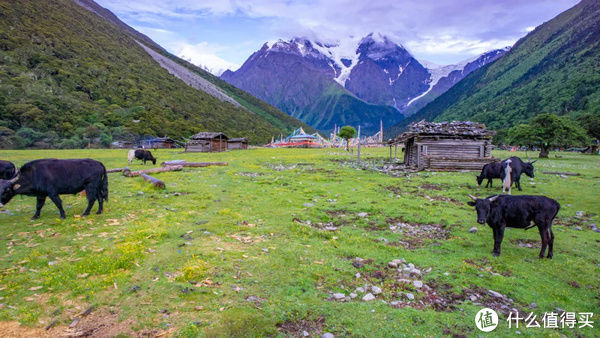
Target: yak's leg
[(489, 183), (498, 236), (57, 201), (518, 183), (551, 243), (100, 203), (91, 197), (545, 238), (38, 206)]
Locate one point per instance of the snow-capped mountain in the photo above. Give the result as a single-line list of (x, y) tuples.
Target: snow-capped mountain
[(354, 81)]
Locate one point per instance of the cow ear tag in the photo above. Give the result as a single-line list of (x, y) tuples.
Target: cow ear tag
[(16, 186)]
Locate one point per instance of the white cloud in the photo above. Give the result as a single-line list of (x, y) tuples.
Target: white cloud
[(445, 26), (204, 55)]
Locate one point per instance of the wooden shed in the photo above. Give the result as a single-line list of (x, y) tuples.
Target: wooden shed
[(207, 142), (237, 143), (159, 142), (446, 146)]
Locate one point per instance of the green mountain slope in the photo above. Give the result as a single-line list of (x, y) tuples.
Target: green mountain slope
[(68, 76), (554, 69)]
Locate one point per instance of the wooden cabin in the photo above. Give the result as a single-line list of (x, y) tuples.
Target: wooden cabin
[(237, 143), (207, 142), (121, 145), (446, 146), (159, 143)]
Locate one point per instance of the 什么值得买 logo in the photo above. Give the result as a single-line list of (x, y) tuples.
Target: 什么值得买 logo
[(486, 320)]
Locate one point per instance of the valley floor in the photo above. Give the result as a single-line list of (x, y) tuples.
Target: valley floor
[(276, 242)]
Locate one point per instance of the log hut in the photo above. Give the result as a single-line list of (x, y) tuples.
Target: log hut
[(159, 143), (207, 142), (446, 146), (237, 143)]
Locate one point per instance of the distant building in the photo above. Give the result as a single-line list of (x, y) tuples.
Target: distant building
[(446, 146), (121, 145), (207, 142), (159, 143), (237, 143)]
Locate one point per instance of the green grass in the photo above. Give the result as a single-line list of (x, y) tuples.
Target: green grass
[(241, 231)]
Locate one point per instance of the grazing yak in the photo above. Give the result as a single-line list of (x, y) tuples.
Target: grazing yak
[(490, 171), (7, 170), (140, 154), (53, 177), (518, 167), (501, 211)]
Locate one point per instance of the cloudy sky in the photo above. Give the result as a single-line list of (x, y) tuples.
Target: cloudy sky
[(221, 34)]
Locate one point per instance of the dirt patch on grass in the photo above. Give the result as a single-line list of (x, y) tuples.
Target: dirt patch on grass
[(100, 323), (422, 191), (299, 328), (416, 235), (527, 243)]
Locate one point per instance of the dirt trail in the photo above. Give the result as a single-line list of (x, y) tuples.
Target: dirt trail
[(189, 77)]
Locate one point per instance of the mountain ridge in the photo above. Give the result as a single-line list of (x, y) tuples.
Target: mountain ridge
[(553, 69)]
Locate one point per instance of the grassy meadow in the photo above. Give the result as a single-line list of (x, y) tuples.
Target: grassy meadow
[(260, 247)]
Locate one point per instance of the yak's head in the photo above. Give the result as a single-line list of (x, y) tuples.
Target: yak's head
[(528, 168), (7, 190), (483, 206), (153, 160), (479, 179)]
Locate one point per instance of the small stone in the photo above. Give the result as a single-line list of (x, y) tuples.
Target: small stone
[(353, 295), (532, 305), (265, 250), (362, 214), (578, 228), (393, 265), (410, 296), (339, 296), (308, 205), (415, 271), (473, 298), (305, 333), (418, 283), (368, 297), (376, 290), (579, 213), (359, 290), (357, 275), (327, 335), (495, 294), (473, 230), (394, 302), (140, 193)]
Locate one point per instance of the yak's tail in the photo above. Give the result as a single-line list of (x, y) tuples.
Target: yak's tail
[(104, 188)]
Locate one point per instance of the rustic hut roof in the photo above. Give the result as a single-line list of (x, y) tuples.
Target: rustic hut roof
[(208, 135), (454, 128), (241, 139)]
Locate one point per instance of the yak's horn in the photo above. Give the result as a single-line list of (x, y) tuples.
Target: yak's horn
[(492, 199), (472, 197), (14, 179)]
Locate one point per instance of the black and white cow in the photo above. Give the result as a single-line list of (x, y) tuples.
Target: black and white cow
[(141, 154), (518, 167), (523, 211), (53, 177)]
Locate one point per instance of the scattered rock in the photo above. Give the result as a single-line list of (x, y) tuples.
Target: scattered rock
[(368, 297), (495, 294), (578, 228), (579, 214), (410, 296), (339, 296), (376, 290), (357, 275), (418, 283), (532, 305), (473, 298), (309, 205), (359, 290), (327, 335), (473, 230), (362, 214), (353, 295)]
